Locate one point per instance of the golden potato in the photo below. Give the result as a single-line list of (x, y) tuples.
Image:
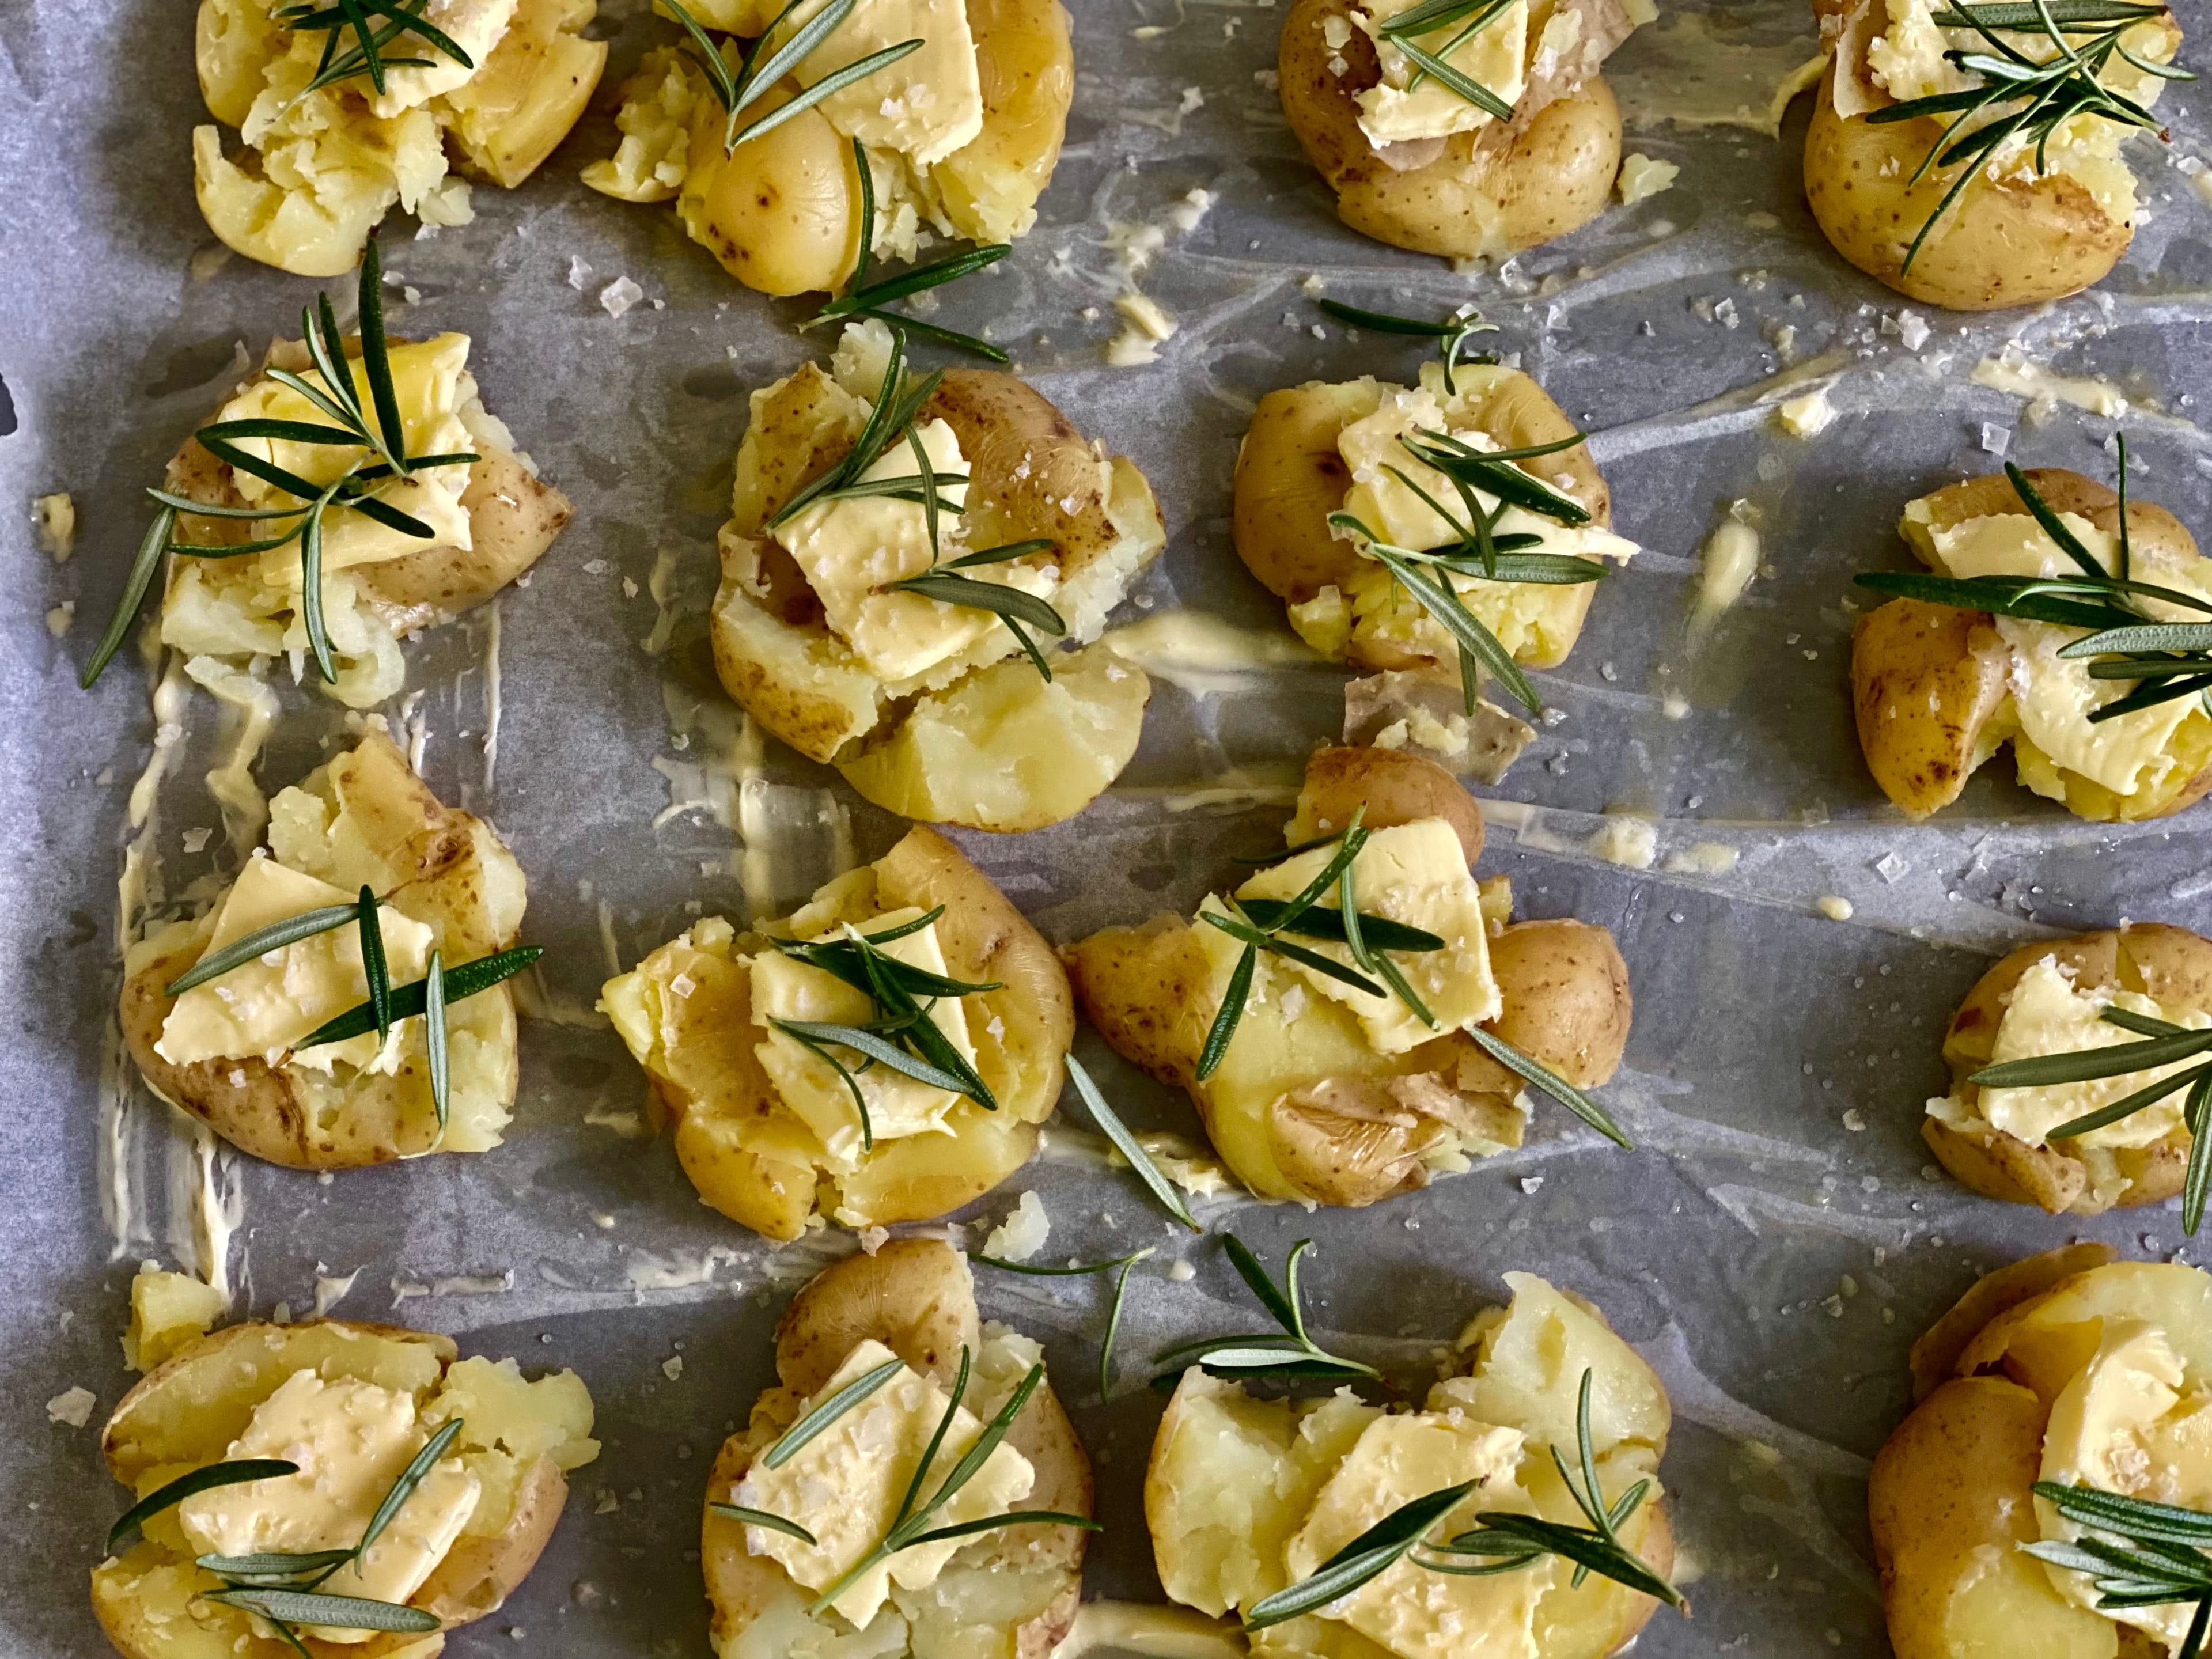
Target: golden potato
[(1303, 1105), (974, 737), (503, 518), (1292, 475), (320, 169), (1012, 1592), (687, 1013), (2173, 967), (2002, 1383), (517, 1441), (2032, 228), (1235, 1485), (363, 819), (1932, 686), (782, 214), (1477, 194)]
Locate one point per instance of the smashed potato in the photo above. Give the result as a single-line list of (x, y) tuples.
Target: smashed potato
[(2046, 998), (221, 1051), (969, 157), (1427, 170), (1009, 1594), (2037, 223), (1243, 1496), (2097, 1378), (492, 519), (351, 1404), (931, 709), (1937, 690), (768, 1130), (1326, 1094), (321, 166), (1318, 449)]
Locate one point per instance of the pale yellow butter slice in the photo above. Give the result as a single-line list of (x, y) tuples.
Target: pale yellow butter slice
[(1414, 873), (352, 1441), (1411, 1611), (1494, 56), (898, 1106), (262, 1007), (845, 1485), (923, 106)]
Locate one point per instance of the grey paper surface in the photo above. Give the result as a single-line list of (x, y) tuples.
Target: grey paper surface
[(1773, 1246)]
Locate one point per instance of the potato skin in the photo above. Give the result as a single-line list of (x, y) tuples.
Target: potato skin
[(473, 1580), (2014, 242), (1344, 1125), (2170, 965), (1928, 681), (1485, 193), (451, 863), (917, 1297), (514, 517)]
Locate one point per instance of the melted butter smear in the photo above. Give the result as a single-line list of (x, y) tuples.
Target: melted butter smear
[(1145, 1632), (1204, 655), (1691, 72)]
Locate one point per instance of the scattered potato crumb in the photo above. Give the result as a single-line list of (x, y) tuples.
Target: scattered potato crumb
[(1631, 843), (1835, 908), (1642, 178), (1704, 858), (73, 1407), (1182, 1273), (672, 1367), (1023, 1233), (1807, 416), (55, 516), (59, 618)]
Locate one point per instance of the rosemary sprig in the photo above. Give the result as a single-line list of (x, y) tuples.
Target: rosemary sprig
[(1126, 1264), (1473, 17), (2122, 639), (2166, 1044), (910, 1525), (2150, 1555), (899, 1035), (761, 69), (863, 299), (1503, 1542), (1011, 606), (795, 1438), (236, 1472), (366, 56), (433, 1044), (284, 1586), (763, 1518), (1110, 1125), (1292, 1354), (1451, 335), (382, 440), (374, 968), (412, 999), (1533, 1072), (2020, 101), (262, 940)]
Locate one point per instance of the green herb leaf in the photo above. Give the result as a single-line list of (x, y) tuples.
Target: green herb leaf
[(434, 1042), (794, 1439), (412, 999), (373, 966), (1533, 1072), (997, 598), (290, 1606), (763, 1518), (1380, 932), (864, 1041), (273, 1565), (918, 279), (1012, 1518), (828, 86), (1114, 1325), (147, 560), (258, 943), (1461, 86), (1110, 1125), (2087, 1065), (1223, 1029), (236, 1472), (404, 1488), (1367, 1557), (1254, 938)]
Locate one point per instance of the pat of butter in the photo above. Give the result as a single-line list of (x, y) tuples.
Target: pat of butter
[(1807, 416), (352, 1441), (1530, 619), (845, 1486), (2048, 1015), (848, 550), (1414, 873), (1495, 57), (924, 107), (898, 1106), (1411, 1611), (263, 1007), (2132, 1422), (475, 25), (427, 378), (2055, 695)]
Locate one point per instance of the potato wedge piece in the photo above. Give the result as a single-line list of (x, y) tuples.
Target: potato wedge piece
[(519, 1439), (687, 1012), (1011, 1591)]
